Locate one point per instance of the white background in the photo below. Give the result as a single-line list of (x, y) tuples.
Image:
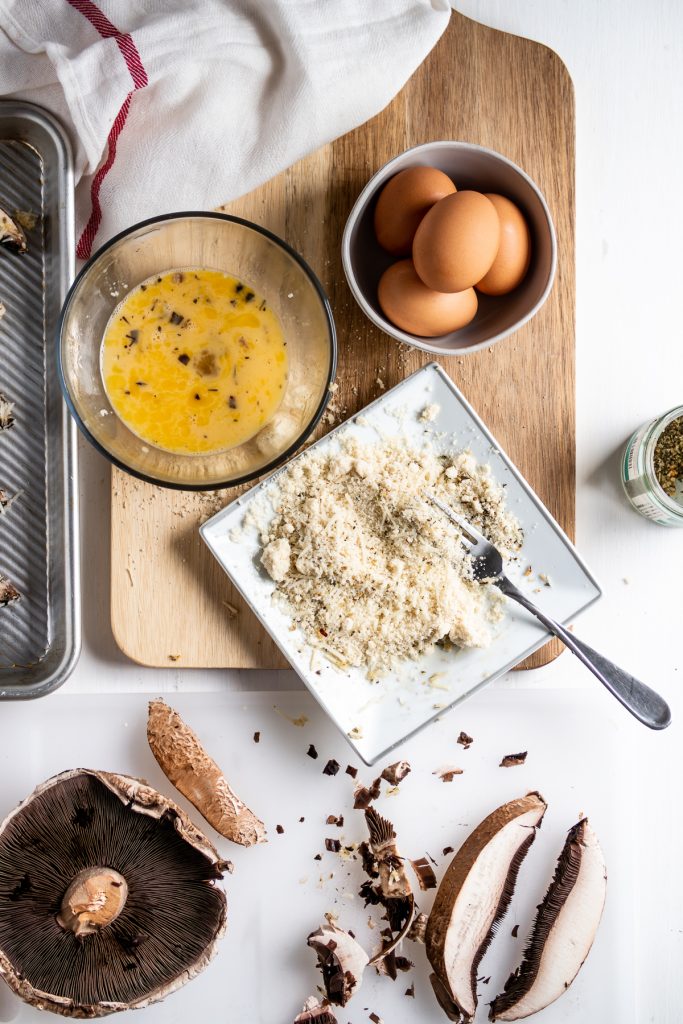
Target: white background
[(626, 60)]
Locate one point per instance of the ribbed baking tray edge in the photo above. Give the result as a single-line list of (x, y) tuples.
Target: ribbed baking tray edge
[(45, 676)]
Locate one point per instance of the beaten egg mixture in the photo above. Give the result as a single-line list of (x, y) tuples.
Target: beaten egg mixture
[(194, 361)]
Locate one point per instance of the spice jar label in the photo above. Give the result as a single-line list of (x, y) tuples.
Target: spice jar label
[(641, 472)]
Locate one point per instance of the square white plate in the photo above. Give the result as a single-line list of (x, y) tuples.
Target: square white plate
[(380, 715)]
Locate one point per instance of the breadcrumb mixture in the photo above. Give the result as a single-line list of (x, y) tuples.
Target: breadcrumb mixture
[(429, 413), (370, 570)]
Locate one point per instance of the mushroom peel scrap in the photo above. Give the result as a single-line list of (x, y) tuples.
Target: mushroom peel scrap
[(189, 768), (473, 896), (108, 899), (563, 931)]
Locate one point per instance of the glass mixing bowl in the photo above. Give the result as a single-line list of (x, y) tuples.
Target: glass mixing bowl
[(219, 242)]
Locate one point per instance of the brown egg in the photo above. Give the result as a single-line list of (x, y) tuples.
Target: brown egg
[(514, 250), (456, 242), (402, 204), (415, 308)]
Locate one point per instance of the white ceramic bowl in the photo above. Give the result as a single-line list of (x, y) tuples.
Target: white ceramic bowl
[(470, 167)]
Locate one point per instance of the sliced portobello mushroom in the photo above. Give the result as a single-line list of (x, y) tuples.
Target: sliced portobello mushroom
[(342, 961), (11, 232), (108, 896), (563, 932), (473, 896)]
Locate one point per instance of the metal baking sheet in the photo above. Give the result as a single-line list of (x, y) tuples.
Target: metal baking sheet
[(40, 633)]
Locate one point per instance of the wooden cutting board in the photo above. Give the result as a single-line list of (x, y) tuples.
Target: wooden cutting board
[(170, 601)]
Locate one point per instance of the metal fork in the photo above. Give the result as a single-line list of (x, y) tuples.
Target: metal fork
[(643, 703)]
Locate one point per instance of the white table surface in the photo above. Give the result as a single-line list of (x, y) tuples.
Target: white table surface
[(626, 60)]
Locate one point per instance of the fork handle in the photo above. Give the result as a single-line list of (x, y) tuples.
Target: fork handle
[(643, 703)]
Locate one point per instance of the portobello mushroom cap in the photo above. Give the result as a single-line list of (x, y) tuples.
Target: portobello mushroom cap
[(473, 896), (563, 931), (108, 899)]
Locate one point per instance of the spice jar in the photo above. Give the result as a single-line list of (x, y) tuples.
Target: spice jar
[(652, 469)]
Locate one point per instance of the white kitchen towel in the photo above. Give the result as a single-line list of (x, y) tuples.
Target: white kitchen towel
[(186, 104)]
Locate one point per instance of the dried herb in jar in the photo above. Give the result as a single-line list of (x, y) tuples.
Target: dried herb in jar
[(668, 457)]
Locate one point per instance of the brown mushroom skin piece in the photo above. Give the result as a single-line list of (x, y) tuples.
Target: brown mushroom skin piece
[(395, 773), (189, 768), (567, 921), (526, 813), (147, 804)]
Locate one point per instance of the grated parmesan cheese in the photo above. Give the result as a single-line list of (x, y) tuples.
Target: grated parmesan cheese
[(368, 569), (276, 558), (429, 413)]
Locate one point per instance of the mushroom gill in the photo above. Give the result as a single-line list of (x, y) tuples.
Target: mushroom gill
[(69, 945), (563, 931)]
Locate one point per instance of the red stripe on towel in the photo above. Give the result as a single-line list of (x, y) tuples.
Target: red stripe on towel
[(129, 52)]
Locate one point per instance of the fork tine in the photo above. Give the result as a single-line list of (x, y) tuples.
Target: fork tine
[(468, 531)]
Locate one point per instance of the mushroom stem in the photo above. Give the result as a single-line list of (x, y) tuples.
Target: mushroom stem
[(94, 899)]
